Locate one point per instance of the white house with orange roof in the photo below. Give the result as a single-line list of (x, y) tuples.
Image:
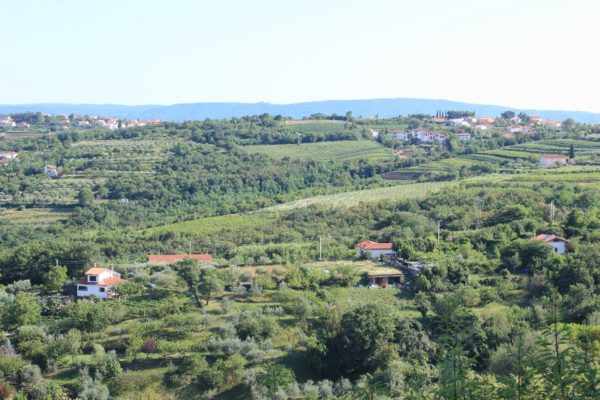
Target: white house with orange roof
[(51, 170), (375, 249), (99, 282), (9, 155), (553, 160), (558, 243)]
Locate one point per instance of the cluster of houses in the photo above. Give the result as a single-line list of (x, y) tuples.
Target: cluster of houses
[(112, 123), (424, 136), (384, 277), (101, 282), (66, 121)]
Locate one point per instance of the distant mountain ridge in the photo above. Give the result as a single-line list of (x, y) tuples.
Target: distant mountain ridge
[(385, 108)]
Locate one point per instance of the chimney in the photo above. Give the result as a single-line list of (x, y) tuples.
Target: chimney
[(94, 264), (110, 267)]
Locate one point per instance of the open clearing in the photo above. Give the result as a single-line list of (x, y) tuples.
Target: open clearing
[(323, 151)]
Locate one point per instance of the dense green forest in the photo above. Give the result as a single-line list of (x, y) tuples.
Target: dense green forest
[(285, 310)]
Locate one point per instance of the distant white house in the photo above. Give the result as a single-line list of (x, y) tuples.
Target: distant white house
[(99, 282), (558, 243), (399, 135), (51, 171), (109, 123), (457, 122), (463, 136), (534, 119), (376, 250), (5, 154), (7, 122), (431, 137), (553, 160), (374, 133)]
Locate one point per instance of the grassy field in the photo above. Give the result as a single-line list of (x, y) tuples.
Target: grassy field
[(35, 216), (339, 150), (349, 199)]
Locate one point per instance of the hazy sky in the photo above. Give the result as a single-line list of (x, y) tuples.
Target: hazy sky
[(525, 53)]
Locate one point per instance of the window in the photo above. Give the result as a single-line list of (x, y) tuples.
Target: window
[(102, 290), (82, 288), (92, 278)]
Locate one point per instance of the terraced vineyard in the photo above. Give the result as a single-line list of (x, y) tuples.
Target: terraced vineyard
[(119, 155), (338, 150)]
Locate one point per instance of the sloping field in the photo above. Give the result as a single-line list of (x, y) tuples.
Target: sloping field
[(338, 150), (237, 222), (349, 199)]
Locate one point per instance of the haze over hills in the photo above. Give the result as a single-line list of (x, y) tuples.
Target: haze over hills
[(385, 108)]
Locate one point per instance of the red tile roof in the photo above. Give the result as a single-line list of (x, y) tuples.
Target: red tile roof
[(173, 258), (95, 271), (555, 156), (369, 245), (550, 238)]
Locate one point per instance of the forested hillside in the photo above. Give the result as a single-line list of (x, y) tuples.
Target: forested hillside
[(287, 308)]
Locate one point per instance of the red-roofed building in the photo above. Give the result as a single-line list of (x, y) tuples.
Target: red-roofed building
[(553, 160), (173, 258), (8, 154), (375, 249), (558, 243), (99, 282)]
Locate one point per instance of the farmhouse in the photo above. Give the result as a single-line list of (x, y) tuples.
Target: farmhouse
[(376, 250), (173, 258), (399, 135), (7, 122), (534, 119), (99, 282), (8, 155), (553, 160), (51, 171), (558, 243)]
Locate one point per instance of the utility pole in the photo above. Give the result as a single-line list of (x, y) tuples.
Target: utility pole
[(552, 212), (56, 262), (438, 230), (478, 204), (190, 248), (320, 249)]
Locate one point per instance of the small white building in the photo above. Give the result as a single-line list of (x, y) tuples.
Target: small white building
[(7, 122), (558, 243), (399, 135), (376, 250), (553, 160), (374, 133), (51, 171), (99, 282), (9, 155)]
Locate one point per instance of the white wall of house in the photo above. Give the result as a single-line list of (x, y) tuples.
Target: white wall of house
[(560, 247), (376, 254), (93, 290), (547, 162)]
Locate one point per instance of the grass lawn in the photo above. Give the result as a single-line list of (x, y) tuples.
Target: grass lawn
[(323, 151)]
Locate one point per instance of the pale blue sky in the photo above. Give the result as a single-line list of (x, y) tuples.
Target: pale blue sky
[(536, 53)]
